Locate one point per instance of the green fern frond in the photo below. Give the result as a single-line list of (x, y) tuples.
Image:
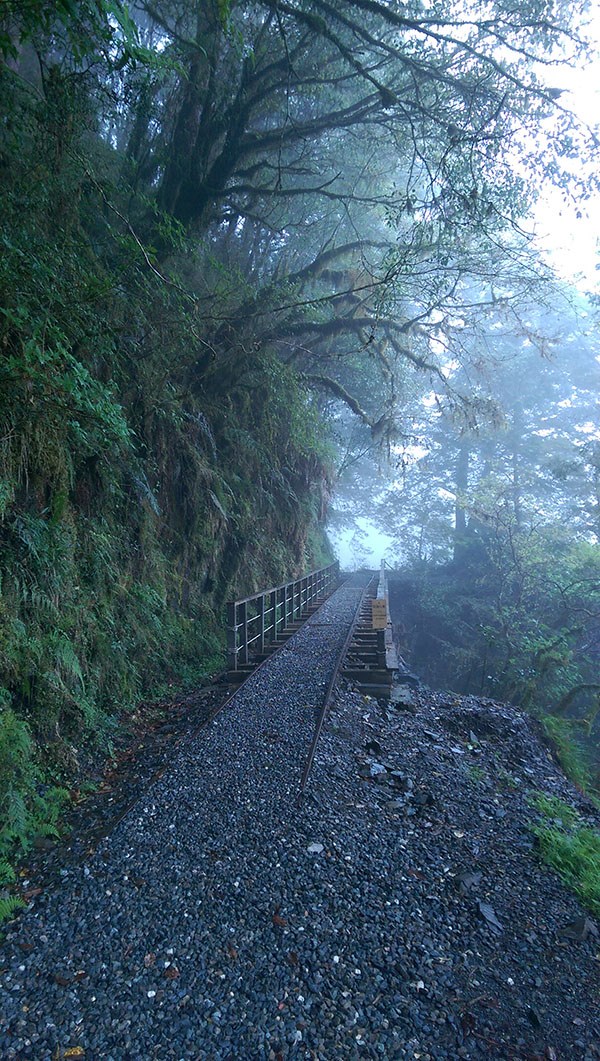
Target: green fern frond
[(67, 658), (9, 907), (17, 817), (7, 873)]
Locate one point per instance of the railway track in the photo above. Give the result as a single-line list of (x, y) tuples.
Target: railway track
[(360, 612), (87, 831)]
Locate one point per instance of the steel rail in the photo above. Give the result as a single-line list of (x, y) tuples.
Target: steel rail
[(329, 692)]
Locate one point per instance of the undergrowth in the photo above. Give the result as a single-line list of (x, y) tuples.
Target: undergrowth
[(146, 473), (570, 847), (571, 753)]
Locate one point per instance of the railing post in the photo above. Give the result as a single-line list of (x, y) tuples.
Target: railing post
[(264, 616), (244, 628), (273, 606), (231, 635), (281, 609), (262, 623)]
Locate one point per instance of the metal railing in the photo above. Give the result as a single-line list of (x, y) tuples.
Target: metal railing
[(382, 590), (255, 622)]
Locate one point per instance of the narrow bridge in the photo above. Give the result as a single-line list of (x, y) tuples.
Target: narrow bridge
[(257, 626)]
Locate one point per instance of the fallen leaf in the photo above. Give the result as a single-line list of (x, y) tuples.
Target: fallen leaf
[(232, 952), (31, 893), (79, 975), (416, 874), (279, 921), (579, 929), (467, 1021), (533, 1018), (172, 973), (292, 957), (43, 843), (74, 1051), (373, 746), (488, 913), (61, 980), (467, 881), (149, 960)]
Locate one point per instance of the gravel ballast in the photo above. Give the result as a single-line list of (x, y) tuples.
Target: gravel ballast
[(400, 912)]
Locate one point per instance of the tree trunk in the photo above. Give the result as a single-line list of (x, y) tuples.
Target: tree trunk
[(517, 436), (461, 484)]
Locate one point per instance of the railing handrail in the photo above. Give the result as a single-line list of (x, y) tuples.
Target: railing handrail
[(284, 585), (273, 609), (382, 590)]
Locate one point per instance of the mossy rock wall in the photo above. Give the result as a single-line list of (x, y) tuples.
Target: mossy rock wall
[(146, 473)]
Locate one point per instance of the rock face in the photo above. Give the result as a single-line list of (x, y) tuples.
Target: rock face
[(399, 912)]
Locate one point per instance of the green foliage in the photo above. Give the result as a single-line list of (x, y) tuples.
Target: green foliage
[(7, 873), (572, 848), (494, 623), (574, 757), (28, 807), (142, 481), (476, 774), (9, 905), (515, 618), (566, 817), (93, 25)]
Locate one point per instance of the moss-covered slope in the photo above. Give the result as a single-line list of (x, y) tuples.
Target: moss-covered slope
[(145, 472)]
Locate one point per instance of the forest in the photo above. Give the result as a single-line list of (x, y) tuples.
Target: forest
[(262, 261)]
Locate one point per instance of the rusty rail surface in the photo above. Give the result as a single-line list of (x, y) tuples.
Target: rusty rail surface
[(369, 587), (255, 622)]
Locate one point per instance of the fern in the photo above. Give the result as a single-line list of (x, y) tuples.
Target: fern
[(67, 658), (17, 817), (9, 906), (7, 873)]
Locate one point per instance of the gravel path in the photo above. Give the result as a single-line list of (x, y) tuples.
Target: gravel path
[(399, 913)]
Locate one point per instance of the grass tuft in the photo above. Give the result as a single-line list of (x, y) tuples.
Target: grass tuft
[(570, 847), (570, 752)]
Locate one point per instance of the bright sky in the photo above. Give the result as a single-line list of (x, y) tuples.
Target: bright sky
[(364, 544), (571, 244)]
